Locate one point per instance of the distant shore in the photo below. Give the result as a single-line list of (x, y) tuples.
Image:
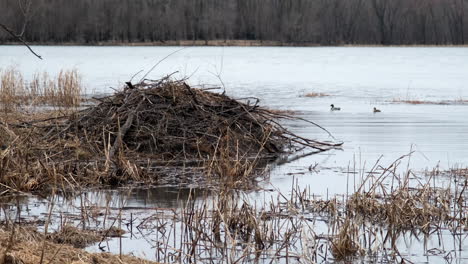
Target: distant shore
[(221, 43)]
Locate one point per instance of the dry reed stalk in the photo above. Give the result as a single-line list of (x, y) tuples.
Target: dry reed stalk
[(69, 90), (227, 227), (65, 90), (12, 89), (346, 245), (230, 163)]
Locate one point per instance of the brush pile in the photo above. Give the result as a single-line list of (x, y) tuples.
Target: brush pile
[(155, 128), (169, 120)]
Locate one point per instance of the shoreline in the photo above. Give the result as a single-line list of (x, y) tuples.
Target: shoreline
[(219, 43)]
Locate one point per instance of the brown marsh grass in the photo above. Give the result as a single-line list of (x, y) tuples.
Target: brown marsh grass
[(315, 95), (387, 206), (17, 248), (367, 225), (229, 162), (427, 102), (346, 244), (12, 88), (65, 90)]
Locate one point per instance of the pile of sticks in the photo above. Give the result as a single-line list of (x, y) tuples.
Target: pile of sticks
[(168, 119)]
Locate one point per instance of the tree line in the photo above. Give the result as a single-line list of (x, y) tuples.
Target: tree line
[(324, 22)]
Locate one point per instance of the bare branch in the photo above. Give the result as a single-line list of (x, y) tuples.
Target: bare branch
[(25, 8), (20, 39)]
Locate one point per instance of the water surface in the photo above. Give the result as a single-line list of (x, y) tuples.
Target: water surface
[(355, 79)]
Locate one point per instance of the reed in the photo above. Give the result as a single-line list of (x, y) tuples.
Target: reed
[(29, 252), (65, 90), (227, 226), (12, 89), (346, 244)]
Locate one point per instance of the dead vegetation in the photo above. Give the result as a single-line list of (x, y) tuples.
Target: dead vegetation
[(386, 208), (314, 95), (17, 248), (126, 136), (428, 102), (74, 236), (346, 243), (66, 90), (170, 120)]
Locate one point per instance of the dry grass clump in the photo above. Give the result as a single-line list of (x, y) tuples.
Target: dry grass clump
[(65, 90), (385, 207), (12, 89), (313, 94), (239, 220), (345, 244), (13, 250), (404, 209), (403, 206), (234, 170), (76, 237)]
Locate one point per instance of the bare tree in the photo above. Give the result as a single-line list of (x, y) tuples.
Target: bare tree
[(326, 22)]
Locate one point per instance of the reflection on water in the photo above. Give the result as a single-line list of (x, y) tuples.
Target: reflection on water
[(165, 197)]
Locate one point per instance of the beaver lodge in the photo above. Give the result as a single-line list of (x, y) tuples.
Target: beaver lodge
[(127, 136)]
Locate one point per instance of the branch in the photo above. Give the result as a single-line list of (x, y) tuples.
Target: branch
[(20, 39), (25, 9)]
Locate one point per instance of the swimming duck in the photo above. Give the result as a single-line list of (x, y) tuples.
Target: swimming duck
[(333, 108), (376, 110)]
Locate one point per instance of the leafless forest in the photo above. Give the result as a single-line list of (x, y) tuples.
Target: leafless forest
[(326, 22)]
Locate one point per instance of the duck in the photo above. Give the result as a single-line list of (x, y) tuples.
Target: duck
[(333, 108), (376, 110)]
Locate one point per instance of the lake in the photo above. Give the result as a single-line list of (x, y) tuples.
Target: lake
[(356, 79)]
